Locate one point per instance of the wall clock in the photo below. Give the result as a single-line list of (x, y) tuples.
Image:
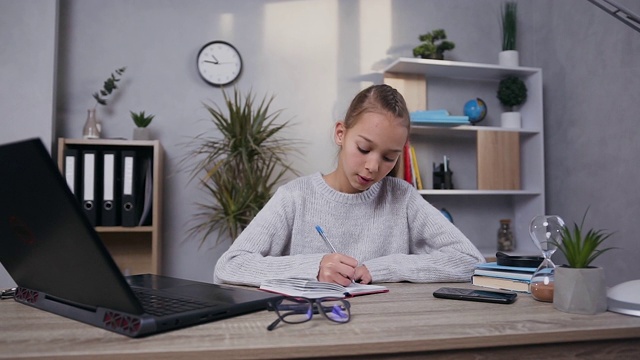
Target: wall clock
[(219, 63)]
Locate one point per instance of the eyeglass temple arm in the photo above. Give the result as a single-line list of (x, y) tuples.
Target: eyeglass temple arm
[(273, 324)]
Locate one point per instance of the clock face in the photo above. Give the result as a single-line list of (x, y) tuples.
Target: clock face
[(219, 63)]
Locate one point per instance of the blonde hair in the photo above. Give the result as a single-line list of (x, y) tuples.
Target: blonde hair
[(381, 99)]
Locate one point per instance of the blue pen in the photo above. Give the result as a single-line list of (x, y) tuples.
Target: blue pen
[(324, 237), (326, 240)]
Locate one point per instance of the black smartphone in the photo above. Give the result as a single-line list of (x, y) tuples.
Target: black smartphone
[(476, 295)]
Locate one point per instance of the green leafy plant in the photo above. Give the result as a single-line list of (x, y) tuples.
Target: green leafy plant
[(580, 246), (508, 22), (108, 87), (141, 119), (240, 170), (512, 92), (433, 46)]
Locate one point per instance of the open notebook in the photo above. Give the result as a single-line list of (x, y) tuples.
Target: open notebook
[(317, 289)]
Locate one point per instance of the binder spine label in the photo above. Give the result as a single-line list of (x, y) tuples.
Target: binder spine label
[(89, 171), (128, 176), (70, 172), (109, 177)]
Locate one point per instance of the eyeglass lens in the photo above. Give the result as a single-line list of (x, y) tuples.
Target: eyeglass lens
[(335, 310)]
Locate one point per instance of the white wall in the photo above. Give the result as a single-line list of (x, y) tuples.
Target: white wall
[(591, 124), (27, 74), (314, 55)]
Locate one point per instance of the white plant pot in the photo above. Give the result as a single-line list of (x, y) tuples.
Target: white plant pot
[(511, 120), (508, 58), (141, 134), (580, 291)]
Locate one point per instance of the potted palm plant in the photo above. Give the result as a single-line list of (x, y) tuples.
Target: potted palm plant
[(579, 287), (512, 92), (240, 169), (508, 25)]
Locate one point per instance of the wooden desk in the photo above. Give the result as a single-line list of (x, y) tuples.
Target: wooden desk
[(407, 322)]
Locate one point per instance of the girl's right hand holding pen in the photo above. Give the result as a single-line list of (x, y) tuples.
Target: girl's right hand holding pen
[(338, 268)]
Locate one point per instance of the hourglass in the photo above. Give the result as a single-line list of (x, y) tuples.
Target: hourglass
[(546, 233)]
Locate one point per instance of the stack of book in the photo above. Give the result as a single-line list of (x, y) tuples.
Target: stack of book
[(502, 277), (437, 117)]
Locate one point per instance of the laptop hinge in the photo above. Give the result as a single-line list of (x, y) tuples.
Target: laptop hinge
[(71, 303)]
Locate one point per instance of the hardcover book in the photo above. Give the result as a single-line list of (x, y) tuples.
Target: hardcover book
[(317, 289), (494, 266), (500, 283), (492, 269)]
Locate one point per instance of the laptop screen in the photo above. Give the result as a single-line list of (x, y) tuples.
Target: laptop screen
[(47, 243)]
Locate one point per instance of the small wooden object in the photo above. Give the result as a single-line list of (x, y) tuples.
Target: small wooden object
[(498, 160)]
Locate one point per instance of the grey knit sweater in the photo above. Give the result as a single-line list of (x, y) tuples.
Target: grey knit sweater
[(389, 228)]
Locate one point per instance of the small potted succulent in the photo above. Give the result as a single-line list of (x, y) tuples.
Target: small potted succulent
[(433, 46), (579, 287), (142, 120), (512, 92), (92, 127)]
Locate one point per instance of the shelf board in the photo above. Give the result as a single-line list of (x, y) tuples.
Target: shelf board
[(462, 130), (123, 229), (111, 142), (456, 69), (433, 192)]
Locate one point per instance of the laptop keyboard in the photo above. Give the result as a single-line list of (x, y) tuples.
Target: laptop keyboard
[(159, 305)]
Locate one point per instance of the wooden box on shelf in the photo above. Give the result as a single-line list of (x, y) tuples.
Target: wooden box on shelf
[(135, 249), (498, 160)]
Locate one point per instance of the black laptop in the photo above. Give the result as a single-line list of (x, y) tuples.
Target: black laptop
[(60, 264)]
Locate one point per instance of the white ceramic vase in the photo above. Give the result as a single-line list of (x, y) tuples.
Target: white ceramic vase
[(508, 58), (580, 291), (511, 120), (92, 128)]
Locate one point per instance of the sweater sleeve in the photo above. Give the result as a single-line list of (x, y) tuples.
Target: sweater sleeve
[(259, 252), (438, 251)]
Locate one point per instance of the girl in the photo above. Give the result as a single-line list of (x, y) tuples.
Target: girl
[(381, 227)]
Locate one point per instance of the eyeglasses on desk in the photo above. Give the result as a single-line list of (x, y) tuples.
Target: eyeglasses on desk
[(296, 310)]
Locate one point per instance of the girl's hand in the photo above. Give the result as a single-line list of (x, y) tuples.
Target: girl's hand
[(363, 275), (337, 268)]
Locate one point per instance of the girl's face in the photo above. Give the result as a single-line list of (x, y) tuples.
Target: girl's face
[(370, 150)]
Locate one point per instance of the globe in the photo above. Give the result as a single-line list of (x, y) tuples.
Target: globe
[(476, 110)]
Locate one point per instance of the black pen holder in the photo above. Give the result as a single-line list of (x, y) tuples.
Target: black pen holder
[(442, 179)]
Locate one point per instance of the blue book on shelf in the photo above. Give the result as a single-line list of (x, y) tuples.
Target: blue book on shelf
[(437, 117), (448, 119), (426, 114)]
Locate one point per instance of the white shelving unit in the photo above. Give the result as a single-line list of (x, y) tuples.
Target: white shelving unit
[(438, 84)]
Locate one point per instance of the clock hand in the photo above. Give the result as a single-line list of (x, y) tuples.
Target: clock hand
[(218, 63), (215, 59)]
